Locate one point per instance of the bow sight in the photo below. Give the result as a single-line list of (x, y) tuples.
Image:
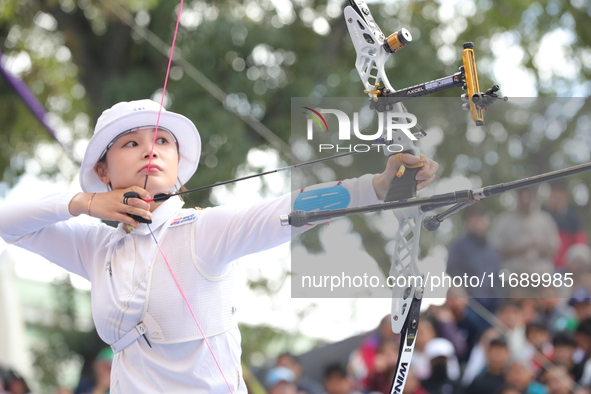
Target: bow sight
[(373, 48)]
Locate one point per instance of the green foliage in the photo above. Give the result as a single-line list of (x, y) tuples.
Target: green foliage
[(261, 55), (59, 343), (262, 342)]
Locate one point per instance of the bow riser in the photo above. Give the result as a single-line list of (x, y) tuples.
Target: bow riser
[(372, 54)]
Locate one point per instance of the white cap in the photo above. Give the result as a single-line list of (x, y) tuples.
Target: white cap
[(437, 347), (141, 113)]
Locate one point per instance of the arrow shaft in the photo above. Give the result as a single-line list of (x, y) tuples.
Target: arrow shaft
[(163, 197)]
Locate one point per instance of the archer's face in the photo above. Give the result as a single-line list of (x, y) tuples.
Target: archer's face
[(127, 162)]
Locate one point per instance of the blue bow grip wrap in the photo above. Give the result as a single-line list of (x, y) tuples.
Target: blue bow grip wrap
[(326, 198)]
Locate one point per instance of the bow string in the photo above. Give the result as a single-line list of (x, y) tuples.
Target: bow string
[(174, 277)]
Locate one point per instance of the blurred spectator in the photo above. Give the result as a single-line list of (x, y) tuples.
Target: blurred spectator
[(558, 380), (539, 343), (420, 363), (510, 315), (564, 350), (477, 361), (445, 369), (474, 256), (303, 382), (568, 220), (529, 309), (3, 376), (492, 378), (413, 384), (470, 325), (521, 376), (509, 390), (336, 381), (582, 369), (101, 379), (445, 324), (581, 302), (14, 383), (578, 263), (281, 380), (527, 239), (554, 312), (362, 361), (385, 367)]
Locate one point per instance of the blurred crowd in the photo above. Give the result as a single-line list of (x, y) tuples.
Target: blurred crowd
[(97, 382), (526, 337), (532, 338)]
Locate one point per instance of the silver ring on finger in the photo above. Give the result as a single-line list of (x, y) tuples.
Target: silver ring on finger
[(125, 200)]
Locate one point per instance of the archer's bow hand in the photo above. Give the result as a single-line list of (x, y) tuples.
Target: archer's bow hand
[(113, 205), (425, 176)]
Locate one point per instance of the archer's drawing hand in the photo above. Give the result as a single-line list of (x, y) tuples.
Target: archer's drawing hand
[(110, 205), (425, 176)]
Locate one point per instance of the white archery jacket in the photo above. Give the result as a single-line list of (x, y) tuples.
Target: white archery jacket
[(131, 283)]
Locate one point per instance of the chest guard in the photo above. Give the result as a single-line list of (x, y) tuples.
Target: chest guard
[(166, 315)]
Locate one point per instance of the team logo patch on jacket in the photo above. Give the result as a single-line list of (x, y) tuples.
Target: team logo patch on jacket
[(183, 220)]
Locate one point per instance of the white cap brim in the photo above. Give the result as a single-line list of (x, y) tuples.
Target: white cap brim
[(183, 129)]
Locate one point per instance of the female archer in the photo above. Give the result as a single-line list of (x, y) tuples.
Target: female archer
[(162, 292)]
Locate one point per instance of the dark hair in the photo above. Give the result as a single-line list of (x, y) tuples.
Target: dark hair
[(335, 369), (535, 326), (292, 357), (564, 339), (498, 342), (584, 327)]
